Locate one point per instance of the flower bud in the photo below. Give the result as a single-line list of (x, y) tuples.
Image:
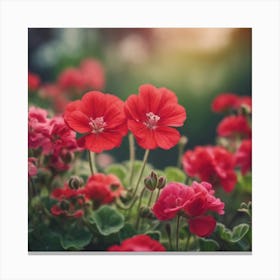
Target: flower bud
[(144, 212), (183, 141), (75, 182), (148, 182), (64, 205), (161, 182)]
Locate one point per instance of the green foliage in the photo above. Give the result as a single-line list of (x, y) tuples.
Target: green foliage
[(208, 244), (174, 174), (234, 235), (244, 182), (154, 234), (126, 232), (108, 220), (246, 208), (118, 170)]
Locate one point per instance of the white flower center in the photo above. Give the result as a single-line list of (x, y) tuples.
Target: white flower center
[(97, 125), (151, 121)]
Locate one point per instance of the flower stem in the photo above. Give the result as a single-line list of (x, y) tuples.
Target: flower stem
[(150, 199), (177, 232), (138, 208), (158, 193), (141, 171), (131, 157), (91, 159), (188, 242)]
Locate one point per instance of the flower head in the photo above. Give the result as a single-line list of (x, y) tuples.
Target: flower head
[(102, 189), (139, 243), (195, 201), (224, 102), (152, 115), (234, 125), (100, 118), (34, 81), (243, 156), (211, 164)]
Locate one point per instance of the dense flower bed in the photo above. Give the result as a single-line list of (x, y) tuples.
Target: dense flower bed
[(80, 200)]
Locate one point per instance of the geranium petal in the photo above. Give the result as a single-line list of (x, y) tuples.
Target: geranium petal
[(202, 226), (172, 115), (166, 137), (93, 104), (78, 121)]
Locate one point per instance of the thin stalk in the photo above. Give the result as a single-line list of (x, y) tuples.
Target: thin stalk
[(188, 242), (123, 206), (158, 193), (131, 157), (150, 198), (138, 208), (177, 232), (91, 159), (141, 171)]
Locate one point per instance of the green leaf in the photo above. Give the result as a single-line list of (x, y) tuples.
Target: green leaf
[(126, 232), (118, 170), (108, 220), (174, 174), (246, 208), (208, 244), (154, 234), (239, 232), (244, 182), (76, 239)]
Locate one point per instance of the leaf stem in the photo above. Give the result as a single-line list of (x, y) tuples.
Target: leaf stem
[(91, 159), (138, 208)]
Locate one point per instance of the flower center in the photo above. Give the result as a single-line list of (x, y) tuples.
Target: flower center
[(97, 125), (151, 121)]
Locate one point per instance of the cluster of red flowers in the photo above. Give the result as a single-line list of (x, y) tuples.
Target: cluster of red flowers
[(99, 189), (104, 119), (193, 201), (70, 83), (52, 137), (138, 243), (213, 164)]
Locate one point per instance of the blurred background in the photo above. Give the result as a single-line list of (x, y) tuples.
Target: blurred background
[(196, 63)]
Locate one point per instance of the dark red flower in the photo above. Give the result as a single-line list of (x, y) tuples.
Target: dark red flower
[(100, 117), (202, 226), (70, 202), (211, 164), (152, 115), (224, 102), (245, 101), (103, 189), (195, 201), (234, 125), (243, 156), (34, 81), (138, 243)]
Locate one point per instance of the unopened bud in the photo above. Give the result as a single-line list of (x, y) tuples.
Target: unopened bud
[(67, 157), (144, 212), (161, 182), (148, 182), (75, 182), (64, 205), (183, 141)]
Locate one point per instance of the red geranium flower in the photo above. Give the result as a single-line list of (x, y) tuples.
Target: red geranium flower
[(224, 102), (243, 156), (195, 200), (34, 81), (234, 125), (100, 117), (151, 116), (211, 164), (103, 188), (138, 243), (70, 202), (71, 78), (32, 169)]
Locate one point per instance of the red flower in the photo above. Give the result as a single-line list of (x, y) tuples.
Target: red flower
[(70, 202), (138, 243), (224, 102), (93, 74), (195, 200), (33, 81), (71, 78), (100, 117), (102, 188), (234, 125), (228, 101), (151, 116), (211, 164), (243, 156)]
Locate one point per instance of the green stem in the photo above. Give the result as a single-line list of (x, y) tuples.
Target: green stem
[(158, 193), (141, 171), (177, 232), (91, 159), (131, 157), (121, 205), (150, 198), (168, 232), (188, 242), (138, 208)]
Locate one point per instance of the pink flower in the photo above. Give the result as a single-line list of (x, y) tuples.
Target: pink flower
[(243, 156), (33, 81), (211, 164), (138, 243), (195, 201), (32, 169)]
